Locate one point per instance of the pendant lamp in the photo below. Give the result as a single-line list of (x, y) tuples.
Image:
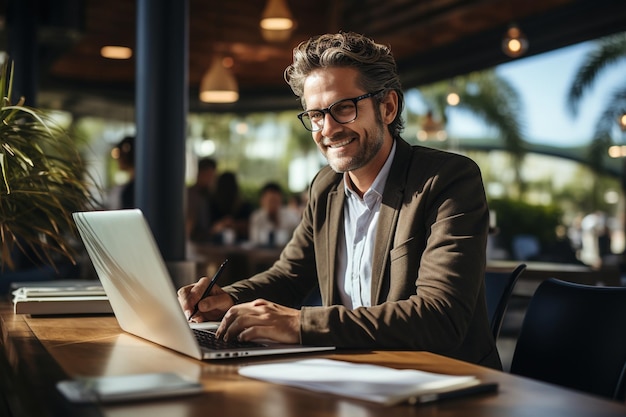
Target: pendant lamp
[(277, 23), (218, 84), (514, 43)]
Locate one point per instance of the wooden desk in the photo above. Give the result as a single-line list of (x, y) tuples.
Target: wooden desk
[(38, 352)]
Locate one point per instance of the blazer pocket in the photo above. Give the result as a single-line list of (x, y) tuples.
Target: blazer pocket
[(404, 264), (404, 249)]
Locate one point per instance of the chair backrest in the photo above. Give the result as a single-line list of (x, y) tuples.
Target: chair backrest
[(498, 289), (574, 335)]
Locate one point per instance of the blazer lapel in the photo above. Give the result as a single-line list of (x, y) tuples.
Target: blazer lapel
[(334, 214), (388, 217)]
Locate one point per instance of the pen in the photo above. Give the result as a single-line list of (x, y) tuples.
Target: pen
[(210, 287)]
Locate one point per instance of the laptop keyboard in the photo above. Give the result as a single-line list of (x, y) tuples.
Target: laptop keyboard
[(207, 339)]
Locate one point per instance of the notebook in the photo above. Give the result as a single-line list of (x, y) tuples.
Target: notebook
[(133, 274)]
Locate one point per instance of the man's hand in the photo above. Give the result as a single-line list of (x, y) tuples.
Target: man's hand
[(261, 319), (211, 308)]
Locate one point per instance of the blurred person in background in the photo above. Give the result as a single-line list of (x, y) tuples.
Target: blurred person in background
[(199, 201), (123, 196), (273, 223), (231, 213)]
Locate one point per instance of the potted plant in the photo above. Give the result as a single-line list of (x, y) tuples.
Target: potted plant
[(42, 181)]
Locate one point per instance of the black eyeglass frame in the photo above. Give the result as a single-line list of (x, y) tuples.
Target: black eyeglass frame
[(328, 110)]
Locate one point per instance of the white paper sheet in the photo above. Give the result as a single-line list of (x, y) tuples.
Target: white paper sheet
[(372, 383)]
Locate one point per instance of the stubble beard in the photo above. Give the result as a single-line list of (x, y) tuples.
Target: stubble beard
[(370, 146)]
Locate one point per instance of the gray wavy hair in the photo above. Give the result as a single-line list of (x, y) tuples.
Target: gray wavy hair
[(374, 62)]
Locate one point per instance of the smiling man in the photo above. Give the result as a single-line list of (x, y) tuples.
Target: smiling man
[(393, 235)]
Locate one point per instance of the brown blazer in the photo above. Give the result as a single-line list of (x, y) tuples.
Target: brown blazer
[(428, 269)]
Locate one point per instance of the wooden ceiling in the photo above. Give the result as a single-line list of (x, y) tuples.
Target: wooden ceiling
[(431, 39)]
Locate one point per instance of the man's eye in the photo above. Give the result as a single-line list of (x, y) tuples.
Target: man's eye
[(316, 115), (343, 108)]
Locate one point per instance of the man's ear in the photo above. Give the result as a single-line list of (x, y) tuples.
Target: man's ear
[(389, 107)]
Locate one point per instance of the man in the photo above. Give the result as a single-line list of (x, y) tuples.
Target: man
[(394, 235), (199, 199)]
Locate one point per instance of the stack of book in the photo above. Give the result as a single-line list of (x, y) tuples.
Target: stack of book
[(68, 297)]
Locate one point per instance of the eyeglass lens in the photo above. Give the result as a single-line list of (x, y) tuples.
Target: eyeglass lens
[(343, 111)]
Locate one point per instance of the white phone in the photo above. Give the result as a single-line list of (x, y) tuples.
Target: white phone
[(127, 387)]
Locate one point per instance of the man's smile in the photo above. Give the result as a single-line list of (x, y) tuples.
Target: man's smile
[(335, 145)]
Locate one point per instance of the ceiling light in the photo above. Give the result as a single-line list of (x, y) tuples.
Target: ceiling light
[(514, 43), (276, 36), (453, 98), (116, 52), (617, 151), (276, 16), (277, 23), (622, 122), (218, 84)]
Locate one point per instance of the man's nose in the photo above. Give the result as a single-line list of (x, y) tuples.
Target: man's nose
[(330, 125)]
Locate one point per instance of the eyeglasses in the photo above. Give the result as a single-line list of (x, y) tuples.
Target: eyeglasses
[(342, 111)]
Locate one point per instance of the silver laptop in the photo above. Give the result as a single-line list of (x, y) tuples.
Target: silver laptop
[(140, 290)]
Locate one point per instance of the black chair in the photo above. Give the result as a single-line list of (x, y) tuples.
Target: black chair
[(574, 335), (498, 289)]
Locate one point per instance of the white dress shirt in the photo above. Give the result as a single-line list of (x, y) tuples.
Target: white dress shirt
[(354, 260)]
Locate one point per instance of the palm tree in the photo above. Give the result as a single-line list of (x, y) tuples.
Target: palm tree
[(492, 99), (608, 52)]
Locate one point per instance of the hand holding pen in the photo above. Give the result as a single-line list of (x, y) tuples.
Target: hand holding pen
[(209, 287)]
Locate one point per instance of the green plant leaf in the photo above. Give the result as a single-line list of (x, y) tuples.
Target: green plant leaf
[(43, 182)]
